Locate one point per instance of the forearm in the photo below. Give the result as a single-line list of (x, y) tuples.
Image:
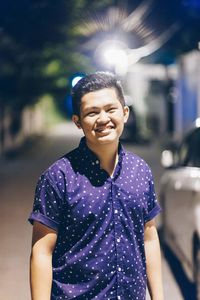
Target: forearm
[(154, 273), (41, 276)]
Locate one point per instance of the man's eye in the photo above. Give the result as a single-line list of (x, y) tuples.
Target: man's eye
[(113, 109), (91, 113)]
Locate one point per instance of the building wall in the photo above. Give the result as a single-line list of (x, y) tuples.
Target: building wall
[(187, 104), (148, 87)]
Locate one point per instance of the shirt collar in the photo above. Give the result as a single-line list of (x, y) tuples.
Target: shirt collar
[(90, 156)]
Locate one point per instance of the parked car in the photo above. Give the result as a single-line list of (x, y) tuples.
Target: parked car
[(180, 200)]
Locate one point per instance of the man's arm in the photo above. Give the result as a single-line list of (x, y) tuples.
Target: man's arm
[(153, 261), (43, 243)]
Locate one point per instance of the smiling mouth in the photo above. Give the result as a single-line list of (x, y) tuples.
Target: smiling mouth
[(103, 129)]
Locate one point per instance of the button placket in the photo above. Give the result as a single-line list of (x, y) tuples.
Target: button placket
[(117, 217)]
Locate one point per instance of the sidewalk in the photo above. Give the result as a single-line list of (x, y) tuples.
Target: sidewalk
[(18, 177)]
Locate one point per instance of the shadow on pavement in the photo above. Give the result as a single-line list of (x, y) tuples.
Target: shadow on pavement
[(187, 288)]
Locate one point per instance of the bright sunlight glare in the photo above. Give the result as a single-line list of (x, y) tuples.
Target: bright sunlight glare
[(114, 56)]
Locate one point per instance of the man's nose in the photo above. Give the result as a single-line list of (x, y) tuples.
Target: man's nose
[(103, 117)]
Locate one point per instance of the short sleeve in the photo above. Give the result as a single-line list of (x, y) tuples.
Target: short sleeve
[(47, 203), (153, 208)]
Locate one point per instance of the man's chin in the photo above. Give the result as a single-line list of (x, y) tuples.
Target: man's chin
[(103, 139), (106, 139)]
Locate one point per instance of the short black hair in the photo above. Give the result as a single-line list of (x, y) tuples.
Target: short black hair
[(94, 82)]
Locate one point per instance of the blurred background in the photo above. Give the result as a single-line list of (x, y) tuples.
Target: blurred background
[(45, 48)]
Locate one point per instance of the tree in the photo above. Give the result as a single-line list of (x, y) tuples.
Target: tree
[(39, 51)]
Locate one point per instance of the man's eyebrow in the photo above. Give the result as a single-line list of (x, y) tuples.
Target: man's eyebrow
[(110, 104), (96, 107), (91, 107)]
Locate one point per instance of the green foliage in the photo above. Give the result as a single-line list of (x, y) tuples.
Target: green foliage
[(40, 48), (47, 106)]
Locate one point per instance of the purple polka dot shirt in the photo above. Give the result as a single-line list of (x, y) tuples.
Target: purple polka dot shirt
[(100, 220)]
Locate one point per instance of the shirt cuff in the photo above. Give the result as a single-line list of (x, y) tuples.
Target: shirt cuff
[(153, 213), (36, 216)]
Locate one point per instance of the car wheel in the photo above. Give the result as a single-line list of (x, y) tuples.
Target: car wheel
[(197, 275), (197, 268)]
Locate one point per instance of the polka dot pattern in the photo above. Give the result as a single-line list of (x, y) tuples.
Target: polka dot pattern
[(100, 221)]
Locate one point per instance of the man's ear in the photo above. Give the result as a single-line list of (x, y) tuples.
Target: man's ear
[(126, 113), (76, 121)]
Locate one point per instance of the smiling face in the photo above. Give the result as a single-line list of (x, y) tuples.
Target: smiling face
[(102, 117)]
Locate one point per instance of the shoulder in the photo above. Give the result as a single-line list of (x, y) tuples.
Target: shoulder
[(135, 161), (61, 168)]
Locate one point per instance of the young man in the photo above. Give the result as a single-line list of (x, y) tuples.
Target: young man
[(94, 235)]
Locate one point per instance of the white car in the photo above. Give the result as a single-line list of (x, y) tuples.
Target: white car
[(180, 200)]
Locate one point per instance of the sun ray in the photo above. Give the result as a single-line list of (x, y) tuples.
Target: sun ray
[(131, 29), (95, 24), (154, 44), (137, 16)]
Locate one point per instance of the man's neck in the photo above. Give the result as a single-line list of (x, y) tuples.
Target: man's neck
[(107, 155)]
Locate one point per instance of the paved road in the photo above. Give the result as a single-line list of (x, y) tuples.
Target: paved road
[(18, 177)]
